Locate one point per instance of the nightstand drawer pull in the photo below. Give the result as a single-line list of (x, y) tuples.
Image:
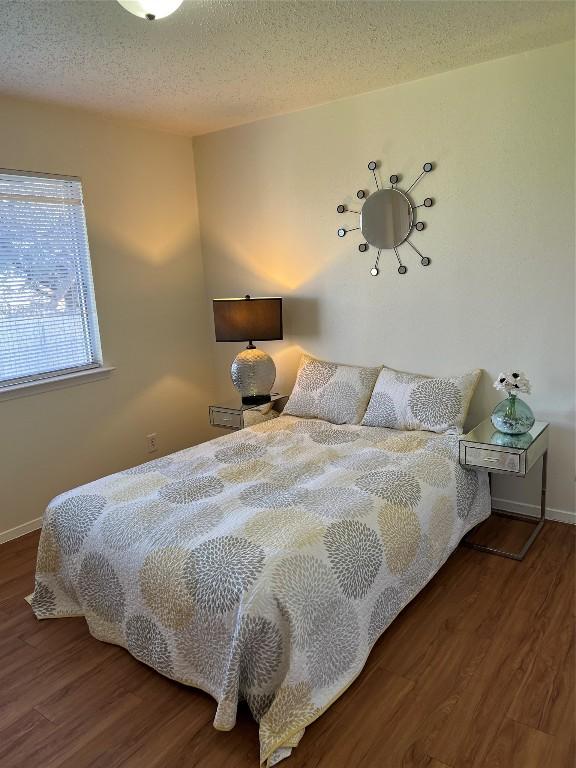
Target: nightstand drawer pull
[(502, 460)]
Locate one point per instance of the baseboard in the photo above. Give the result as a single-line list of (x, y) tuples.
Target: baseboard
[(20, 530), (559, 515)]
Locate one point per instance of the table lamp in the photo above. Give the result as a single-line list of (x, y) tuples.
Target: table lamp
[(250, 319)]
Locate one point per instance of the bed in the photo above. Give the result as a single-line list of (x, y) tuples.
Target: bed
[(263, 565)]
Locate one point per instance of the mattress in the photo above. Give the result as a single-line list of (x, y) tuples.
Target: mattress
[(263, 565)]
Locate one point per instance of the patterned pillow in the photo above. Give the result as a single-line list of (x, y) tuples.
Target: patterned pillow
[(330, 391), (414, 401)]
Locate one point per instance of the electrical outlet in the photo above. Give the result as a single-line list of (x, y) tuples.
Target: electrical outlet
[(152, 441)]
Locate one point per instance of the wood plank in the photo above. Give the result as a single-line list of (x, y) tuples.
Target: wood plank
[(502, 533), (23, 544), (408, 738), (443, 652), (28, 682), (170, 741), (549, 684), (454, 609), (16, 605), (515, 638), (87, 691), (161, 700), (18, 585), (563, 748), (68, 739), (517, 746), (50, 634), (237, 748), (364, 711), (30, 725), (12, 566)]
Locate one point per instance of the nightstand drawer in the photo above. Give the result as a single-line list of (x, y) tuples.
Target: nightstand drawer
[(220, 417), (237, 415), (502, 460)]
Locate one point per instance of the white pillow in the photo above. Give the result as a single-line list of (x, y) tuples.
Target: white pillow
[(331, 391), (414, 401)]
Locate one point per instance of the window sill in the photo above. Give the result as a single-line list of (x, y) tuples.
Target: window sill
[(55, 382)]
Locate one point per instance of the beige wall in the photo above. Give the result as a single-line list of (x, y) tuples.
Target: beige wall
[(140, 200), (500, 289)]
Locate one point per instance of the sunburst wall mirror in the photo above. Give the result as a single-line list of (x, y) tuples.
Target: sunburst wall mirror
[(388, 217)]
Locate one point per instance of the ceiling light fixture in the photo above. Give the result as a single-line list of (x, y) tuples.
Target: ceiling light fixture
[(151, 9)]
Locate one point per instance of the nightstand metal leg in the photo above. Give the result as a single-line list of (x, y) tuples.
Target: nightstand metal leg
[(538, 523), (543, 483)]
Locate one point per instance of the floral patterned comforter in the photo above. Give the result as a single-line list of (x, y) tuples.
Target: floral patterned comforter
[(262, 565)]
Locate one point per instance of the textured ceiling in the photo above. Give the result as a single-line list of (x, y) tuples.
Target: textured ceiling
[(217, 63)]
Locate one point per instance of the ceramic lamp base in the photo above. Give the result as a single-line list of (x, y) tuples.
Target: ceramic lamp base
[(253, 373)]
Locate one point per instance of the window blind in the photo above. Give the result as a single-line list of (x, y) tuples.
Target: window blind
[(48, 321)]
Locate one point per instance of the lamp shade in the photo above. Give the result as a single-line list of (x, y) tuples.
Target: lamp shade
[(248, 319)]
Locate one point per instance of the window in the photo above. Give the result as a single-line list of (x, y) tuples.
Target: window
[(48, 322)]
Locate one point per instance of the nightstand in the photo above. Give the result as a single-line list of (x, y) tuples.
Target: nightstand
[(237, 415), (486, 448)]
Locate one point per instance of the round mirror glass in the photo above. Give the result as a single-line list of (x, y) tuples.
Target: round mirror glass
[(386, 218)]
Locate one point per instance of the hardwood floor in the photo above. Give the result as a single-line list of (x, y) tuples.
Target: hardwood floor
[(478, 672)]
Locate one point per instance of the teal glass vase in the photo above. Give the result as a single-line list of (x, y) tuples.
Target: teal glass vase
[(512, 416)]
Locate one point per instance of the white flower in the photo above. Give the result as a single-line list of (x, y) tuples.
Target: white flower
[(513, 381)]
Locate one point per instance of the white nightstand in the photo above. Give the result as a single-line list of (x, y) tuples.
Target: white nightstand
[(236, 415), (486, 448)]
